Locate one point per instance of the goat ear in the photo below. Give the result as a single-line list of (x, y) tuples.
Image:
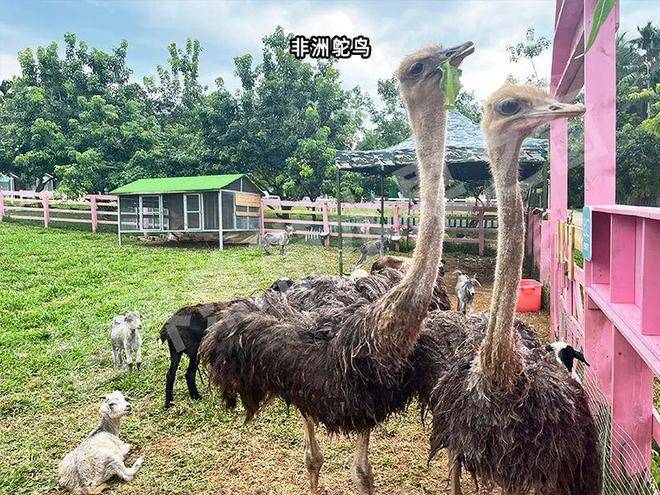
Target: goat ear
[(549, 348)]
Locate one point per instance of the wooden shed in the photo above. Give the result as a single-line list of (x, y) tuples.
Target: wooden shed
[(226, 206)]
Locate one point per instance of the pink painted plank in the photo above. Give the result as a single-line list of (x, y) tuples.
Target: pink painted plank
[(558, 209), (636, 211), (600, 118), (26, 217), (598, 270), (94, 213), (45, 200), (650, 277), (622, 259), (632, 406), (626, 318), (292, 221), (656, 426), (598, 347), (70, 220)]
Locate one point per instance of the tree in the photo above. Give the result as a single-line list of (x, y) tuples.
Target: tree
[(530, 48)]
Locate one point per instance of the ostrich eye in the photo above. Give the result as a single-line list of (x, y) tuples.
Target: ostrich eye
[(416, 69), (509, 107)]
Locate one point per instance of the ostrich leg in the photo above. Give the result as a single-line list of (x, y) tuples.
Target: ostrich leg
[(313, 454), (454, 473), (361, 471)]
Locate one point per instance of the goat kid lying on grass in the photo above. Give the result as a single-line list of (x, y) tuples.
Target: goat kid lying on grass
[(465, 292), (125, 336), (101, 455)]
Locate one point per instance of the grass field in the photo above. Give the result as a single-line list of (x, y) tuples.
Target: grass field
[(58, 291)]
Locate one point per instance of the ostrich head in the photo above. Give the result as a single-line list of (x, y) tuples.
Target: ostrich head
[(419, 74), (513, 112)]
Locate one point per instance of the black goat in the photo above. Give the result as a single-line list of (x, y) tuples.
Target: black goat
[(184, 331)]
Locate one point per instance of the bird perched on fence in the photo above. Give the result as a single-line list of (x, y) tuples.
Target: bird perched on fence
[(347, 366)]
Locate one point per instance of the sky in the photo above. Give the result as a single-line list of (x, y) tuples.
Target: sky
[(230, 28)]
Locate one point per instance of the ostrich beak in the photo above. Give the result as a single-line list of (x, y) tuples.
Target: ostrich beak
[(457, 54), (557, 110)]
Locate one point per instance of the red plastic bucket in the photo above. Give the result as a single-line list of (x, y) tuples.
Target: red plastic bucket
[(529, 296)]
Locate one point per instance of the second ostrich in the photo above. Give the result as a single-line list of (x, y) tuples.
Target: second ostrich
[(346, 366), (506, 409)]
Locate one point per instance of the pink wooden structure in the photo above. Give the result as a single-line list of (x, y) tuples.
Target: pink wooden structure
[(92, 209), (474, 223), (612, 306)]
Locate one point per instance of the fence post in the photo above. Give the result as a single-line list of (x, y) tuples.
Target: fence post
[(95, 218), (45, 200), (326, 225), (2, 206), (482, 232), (262, 220)]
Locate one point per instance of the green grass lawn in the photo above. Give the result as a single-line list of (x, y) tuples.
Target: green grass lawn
[(58, 291)]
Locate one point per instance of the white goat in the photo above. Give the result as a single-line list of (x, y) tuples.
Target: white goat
[(280, 239), (125, 336), (465, 292), (101, 455)]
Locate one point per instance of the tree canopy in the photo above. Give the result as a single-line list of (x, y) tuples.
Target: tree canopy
[(77, 114)]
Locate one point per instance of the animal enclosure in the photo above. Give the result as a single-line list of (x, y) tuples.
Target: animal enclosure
[(464, 224), (226, 206), (610, 306)]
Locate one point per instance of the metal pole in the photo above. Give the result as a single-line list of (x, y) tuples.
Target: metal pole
[(221, 241), (340, 239), (119, 218), (408, 220), (382, 201)]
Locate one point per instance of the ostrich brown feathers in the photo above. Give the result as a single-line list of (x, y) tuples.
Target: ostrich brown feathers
[(538, 436), (321, 361)]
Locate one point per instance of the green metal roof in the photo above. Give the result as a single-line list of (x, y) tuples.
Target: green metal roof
[(178, 184)]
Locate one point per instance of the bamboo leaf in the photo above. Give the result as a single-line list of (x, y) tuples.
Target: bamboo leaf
[(601, 11), (450, 82)]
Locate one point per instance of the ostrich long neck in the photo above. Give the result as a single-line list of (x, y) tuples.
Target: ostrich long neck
[(400, 313), (499, 358)]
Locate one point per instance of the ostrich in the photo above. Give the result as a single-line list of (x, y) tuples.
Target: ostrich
[(506, 409), (346, 366), (440, 298)]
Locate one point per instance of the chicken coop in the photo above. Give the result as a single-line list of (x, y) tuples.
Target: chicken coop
[(221, 207)]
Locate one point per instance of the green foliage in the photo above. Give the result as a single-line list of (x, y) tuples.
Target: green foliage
[(601, 12), (450, 82), (529, 49)]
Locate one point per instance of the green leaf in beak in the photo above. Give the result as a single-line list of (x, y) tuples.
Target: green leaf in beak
[(450, 82)]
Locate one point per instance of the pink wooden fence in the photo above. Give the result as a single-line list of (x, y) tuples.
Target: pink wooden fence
[(474, 224), (611, 307), (44, 207)]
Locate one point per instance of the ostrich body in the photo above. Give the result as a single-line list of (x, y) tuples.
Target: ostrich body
[(346, 366), (440, 300), (505, 409)]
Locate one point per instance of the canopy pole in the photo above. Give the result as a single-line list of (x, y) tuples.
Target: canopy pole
[(408, 220), (340, 239), (382, 201)]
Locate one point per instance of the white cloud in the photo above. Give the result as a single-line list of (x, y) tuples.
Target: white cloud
[(9, 66)]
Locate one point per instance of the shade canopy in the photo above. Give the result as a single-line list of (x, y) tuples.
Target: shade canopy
[(466, 155), (178, 184)]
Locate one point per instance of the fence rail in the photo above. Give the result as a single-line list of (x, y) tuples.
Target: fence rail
[(465, 224), (44, 207), (609, 308)]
